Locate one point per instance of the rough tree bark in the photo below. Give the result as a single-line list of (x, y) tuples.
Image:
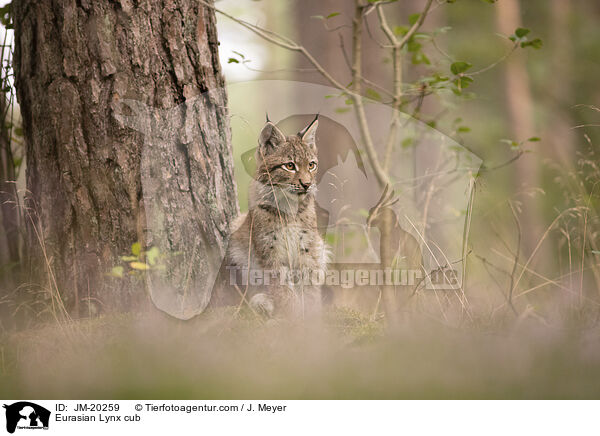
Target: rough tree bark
[(76, 62)]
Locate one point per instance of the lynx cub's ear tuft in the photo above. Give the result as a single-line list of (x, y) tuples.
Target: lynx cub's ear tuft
[(270, 137), (309, 133)]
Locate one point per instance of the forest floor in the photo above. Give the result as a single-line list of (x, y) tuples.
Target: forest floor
[(348, 356)]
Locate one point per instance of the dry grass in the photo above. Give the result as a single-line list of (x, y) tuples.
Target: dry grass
[(528, 329), (218, 356)]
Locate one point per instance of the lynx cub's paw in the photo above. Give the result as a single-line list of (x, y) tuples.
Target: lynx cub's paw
[(263, 304)]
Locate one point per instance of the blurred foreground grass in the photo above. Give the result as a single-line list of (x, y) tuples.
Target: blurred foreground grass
[(218, 356)]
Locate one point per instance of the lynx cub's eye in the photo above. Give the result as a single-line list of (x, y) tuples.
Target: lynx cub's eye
[(290, 166), (312, 166)]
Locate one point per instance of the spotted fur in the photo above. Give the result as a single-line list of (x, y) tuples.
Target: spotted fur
[(279, 232)]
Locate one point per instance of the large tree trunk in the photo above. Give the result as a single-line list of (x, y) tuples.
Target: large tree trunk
[(91, 176)]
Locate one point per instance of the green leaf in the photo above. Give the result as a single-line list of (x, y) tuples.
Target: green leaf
[(422, 35), (534, 43), (444, 29), (331, 239), (136, 249), (372, 94), (400, 30), (461, 83), (521, 32), (413, 18), (420, 58), (407, 142), (139, 266), (413, 46), (460, 67), (152, 255), (463, 129), (534, 139), (513, 144), (117, 271), (465, 81), (6, 16), (341, 110), (436, 78), (363, 212), (333, 14), (232, 61)]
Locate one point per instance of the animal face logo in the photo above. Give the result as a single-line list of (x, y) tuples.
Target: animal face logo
[(26, 415)]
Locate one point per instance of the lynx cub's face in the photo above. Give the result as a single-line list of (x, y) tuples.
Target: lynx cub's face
[(288, 163), (279, 232)]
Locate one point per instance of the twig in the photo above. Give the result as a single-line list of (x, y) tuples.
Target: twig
[(280, 41), (355, 89), (492, 65), (516, 262), (353, 92), (396, 47), (525, 267)]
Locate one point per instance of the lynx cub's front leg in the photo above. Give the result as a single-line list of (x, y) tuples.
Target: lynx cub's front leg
[(278, 236)]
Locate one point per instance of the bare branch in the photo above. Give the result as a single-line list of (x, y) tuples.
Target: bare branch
[(357, 23), (417, 25), (363, 79), (397, 66), (492, 65), (353, 91), (280, 41)]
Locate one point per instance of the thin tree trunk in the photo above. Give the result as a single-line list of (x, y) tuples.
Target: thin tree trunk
[(8, 193), (76, 61), (8, 175), (10, 232), (560, 134), (520, 111)]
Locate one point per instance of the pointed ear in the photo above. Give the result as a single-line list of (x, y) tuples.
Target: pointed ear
[(270, 137), (309, 133)]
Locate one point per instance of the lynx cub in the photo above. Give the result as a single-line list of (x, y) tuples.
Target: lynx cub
[(277, 242)]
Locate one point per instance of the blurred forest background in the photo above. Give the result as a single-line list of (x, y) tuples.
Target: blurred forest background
[(513, 81)]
